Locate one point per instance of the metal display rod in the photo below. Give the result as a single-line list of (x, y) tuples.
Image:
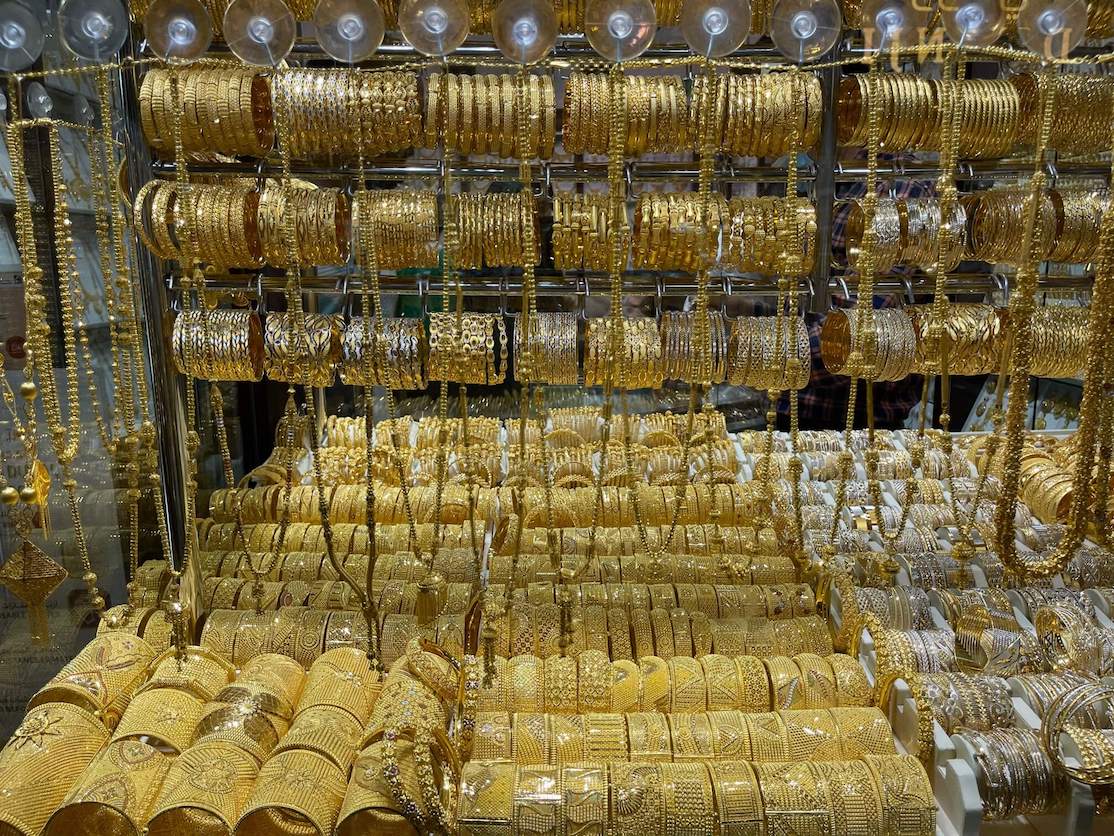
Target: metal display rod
[(635, 171)]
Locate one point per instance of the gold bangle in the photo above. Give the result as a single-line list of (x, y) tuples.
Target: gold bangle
[(49, 750), (294, 787), (101, 678), (165, 715), (655, 691)]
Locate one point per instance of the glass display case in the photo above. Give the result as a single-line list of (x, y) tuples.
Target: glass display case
[(474, 417)]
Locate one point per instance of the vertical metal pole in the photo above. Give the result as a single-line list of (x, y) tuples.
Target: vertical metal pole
[(168, 409), (824, 191)]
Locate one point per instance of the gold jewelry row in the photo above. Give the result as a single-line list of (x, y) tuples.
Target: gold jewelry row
[(492, 230), (333, 112), (1067, 224), (533, 737), (889, 794), (907, 231), (706, 682), (622, 575), (774, 601), (757, 115), (534, 629), (478, 114), (995, 116)]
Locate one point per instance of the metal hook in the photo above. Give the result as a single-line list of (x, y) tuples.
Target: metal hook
[(842, 282), (260, 177), (582, 297), (260, 294), (907, 283)]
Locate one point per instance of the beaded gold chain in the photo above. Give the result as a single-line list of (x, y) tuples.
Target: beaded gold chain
[(1098, 388)]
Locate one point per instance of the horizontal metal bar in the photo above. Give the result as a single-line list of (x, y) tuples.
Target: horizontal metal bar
[(547, 284), (635, 171), (544, 171)]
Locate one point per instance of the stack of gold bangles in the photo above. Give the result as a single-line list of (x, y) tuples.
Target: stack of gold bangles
[(671, 233), (552, 345), (390, 353), (580, 238), (972, 337), (297, 352), (492, 230), (321, 222), (894, 346), (467, 354), (219, 344), (680, 352), (907, 231), (478, 114), (990, 113), (332, 113), (757, 114), (636, 365), (656, 114), (758, 229), (1068, 224), (222, 223), (402, 225), (226, 110), (758, 361)]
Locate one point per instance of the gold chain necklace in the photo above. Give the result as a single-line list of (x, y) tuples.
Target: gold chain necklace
[(30, 573)]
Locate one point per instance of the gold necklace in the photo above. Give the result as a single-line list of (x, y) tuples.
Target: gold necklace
[(30, 573)]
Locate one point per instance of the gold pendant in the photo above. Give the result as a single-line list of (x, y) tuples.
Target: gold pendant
[(31, 575), (40, 481)]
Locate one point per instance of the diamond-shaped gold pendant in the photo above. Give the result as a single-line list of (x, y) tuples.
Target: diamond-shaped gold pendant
[(31, 575)]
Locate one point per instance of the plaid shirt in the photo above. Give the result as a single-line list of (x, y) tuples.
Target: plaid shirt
[(823, 403)]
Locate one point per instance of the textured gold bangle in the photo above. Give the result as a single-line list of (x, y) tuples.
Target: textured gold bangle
[(294, 787), (49, 750), (207, 786), (165, 715), (101, 678), (655, 686)]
